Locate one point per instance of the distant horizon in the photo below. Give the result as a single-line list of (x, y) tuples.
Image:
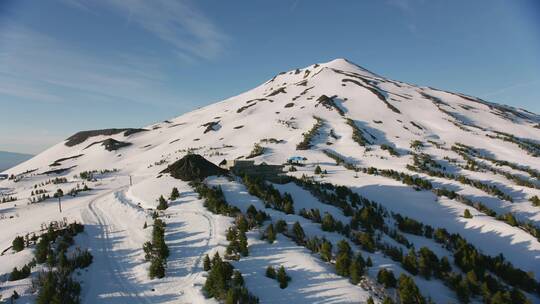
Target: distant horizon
[(72, 65)]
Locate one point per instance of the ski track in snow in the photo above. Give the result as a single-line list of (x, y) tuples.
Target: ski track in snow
[(114, 270)]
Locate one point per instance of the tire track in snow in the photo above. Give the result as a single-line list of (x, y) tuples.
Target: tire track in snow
[(114, 268)]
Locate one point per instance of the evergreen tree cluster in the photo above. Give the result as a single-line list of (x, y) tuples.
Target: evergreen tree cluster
[(56, 284), (157, 251), (424, 262), (8, 198), (214, 200), (238, 244), (271, 197), (280, 275), (224, 283), (17, 274), (305, 144), (424, 164)]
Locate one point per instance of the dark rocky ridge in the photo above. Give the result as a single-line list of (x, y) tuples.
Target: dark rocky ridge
[(193, 167), (82, 136)]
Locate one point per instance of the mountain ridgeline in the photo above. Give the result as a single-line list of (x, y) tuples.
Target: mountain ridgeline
[(395, 193)]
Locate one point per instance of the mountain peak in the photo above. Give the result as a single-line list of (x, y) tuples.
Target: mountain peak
[(346, 65)]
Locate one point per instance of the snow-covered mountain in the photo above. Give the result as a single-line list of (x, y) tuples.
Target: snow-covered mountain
[(455, 152)]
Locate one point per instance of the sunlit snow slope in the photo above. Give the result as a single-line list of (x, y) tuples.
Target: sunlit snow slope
[(334, 108)]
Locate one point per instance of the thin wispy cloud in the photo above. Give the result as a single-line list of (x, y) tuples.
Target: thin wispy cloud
[(177, 23), (512, 87), (40, 68)]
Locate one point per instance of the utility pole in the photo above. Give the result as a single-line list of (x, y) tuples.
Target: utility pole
[(60, 204)]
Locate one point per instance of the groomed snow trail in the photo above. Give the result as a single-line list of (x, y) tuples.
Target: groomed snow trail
[(119, 274), (108, 271)]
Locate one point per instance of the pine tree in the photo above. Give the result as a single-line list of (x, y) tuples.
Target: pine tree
[(408, 291), (370, 300), (281, 226), (326, 251), (174, 194), (282, 278), (356, 269), (157, 268), (145, 225), (243, 243), (343, 262), (162, 205), (369, 262), (386, 278), (467, 214), (207, 264), (318, 170), (270, 272), (410, 262), (18, 243), (270, 233), (298, 233)]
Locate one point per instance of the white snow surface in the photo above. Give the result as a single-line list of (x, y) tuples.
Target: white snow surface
[(282, 108)]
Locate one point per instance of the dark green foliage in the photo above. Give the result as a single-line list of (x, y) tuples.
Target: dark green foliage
[(357, 135), (535, 201), (270, 234), (17, 274), (214, 200), (282, 278), (410, 262), (270, 272), (390, 149), (281, 226), (174, 194), (58, 193), (206, 263), (269, 195), (386, 278), (162, 203), (356, 269), (408, 291), (366, 241), (428, 263), (18, 243), (467, 214), (298, 233), (223, 283), (238, 245), (309, 135), (57, 287), (318, 170), (257, 150), (326, 251), (157, 251), (157, 267)]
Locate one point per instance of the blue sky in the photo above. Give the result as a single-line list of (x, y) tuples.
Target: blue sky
[(69, 65)]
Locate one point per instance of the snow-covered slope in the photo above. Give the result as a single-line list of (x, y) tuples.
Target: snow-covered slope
[(365, 119)]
